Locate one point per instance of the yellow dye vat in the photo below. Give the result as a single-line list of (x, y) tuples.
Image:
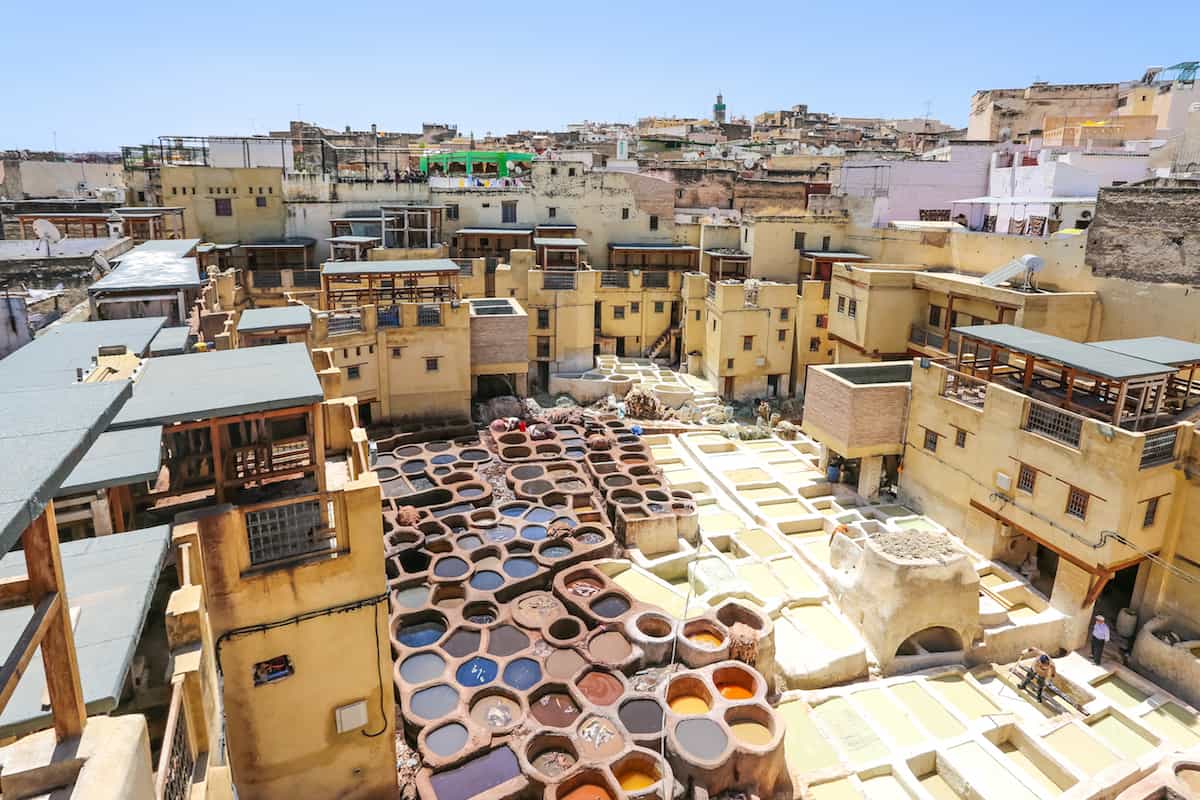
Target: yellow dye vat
[(1174, 724), (1018, 612), (734, 691), (1122, 738), (1028, 766), (849, 730), (963, 696), (818, 548), (1120, 692), (647, 590), (785, 510), (634, 779), (805, 747), (979, 768), (682, 476), (751, 733), (794, 576), (759, 542), (740, 477), (687, 704), (884, 787), (827, 628), (992, 581), (928, 711), (1080, 748), (706, 639), (938, 788), (895, 721), (841, 789), (761, 580), (719, 521), (766, 493)]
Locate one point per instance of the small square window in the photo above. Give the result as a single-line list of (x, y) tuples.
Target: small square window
[(841, 304), (1151, 512), (554, 170), (260, 202), (1077, 503), (551, 211), (653, 222), (931, 441), (624, 213), (397, 352), (618, 312), (814, 344), (1026, 479), (353, 373), (825, 240), (543, 318), (935, 316), (747, 342), (223, 207), (852, 309), (452, 211), (822, 321), (570, 172), (431, 365), (635, 308), (658, 306), (782, 334), (960, 438), (729, 363), (798, 240), (784, 313)]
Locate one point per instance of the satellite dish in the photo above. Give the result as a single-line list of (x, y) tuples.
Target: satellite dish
[(748, 162), (46, 231)]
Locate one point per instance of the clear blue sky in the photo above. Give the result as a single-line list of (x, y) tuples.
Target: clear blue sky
[(102, 75)]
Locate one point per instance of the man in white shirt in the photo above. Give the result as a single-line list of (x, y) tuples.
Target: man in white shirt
[(1100, 637)]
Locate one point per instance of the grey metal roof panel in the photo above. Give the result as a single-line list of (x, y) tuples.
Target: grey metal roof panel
[(117, 458), (156, 264), (389, 267), (1163, 349), (268, 319), (553, 241), (51, 360), (651, 246), (45, 435), (1088, 358), (495, 231), (111, 581), (200, 386), (171, 341)]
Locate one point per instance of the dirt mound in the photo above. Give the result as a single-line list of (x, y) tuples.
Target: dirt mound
[(912, 545)]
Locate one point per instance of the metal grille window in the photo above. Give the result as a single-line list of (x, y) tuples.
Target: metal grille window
[(388, 317), (543, 318), (656, 280), (1058, 425), (429, 316), (1026, 478), (659, 307), (783, 334), (783, 315), (558, 280), (306, 277), (935, 316), (1159, 448), (635, 307), (353, 373), (1077, 502), (543, 347), (175, 764), (852, 309), (618, 312), (960, 438), (285, 531), (841, 304), (931, 440), (1151, 512), (618, 280), (431, 365)]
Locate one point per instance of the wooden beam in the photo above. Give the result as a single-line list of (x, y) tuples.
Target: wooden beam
[(27, 644), (14, 591), (1098, 583)]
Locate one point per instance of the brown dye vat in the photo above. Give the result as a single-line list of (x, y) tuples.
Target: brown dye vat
[(553, 763), (565, 629), (462, 642), (641, 716), (584, 587), (555, 709), (599, 738), (563, 664), (506, 640), (496, 712), (610, 647), (600, 688), (702, 738)]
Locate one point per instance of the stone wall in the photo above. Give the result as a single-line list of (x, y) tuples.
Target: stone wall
[(1146, 234)]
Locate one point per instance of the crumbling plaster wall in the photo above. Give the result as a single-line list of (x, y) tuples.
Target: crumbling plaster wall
[(1146, 234)]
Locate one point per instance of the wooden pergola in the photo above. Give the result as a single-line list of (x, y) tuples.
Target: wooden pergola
[(349, 284), (491, 242), (726, 263), (559, 252), (652, 254), (1087, 380)]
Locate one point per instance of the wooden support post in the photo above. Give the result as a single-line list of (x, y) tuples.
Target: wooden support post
[(1030, 364), (1119, 406), (1070, 381), (44, 565), (214, 435)]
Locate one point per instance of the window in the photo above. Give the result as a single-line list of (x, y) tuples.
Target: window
[(841, 304), (428, 316), (551, 212), (508, 212), (431, 364), (745, 234), (223, 207), (798, 240), (931, 440), (570, 172), (272, 670), (483, 242), (1151, 512), (625, 213), (543, 318), (935, 316), (697, 312), (960, 438), (543, 347), (729, 363), (635, 308), (270, 190), (714, 323), (784, 313), (260, 202), (825, 242), (141, 197), (783, 334), (653, 222), (1026, 479), (397, 352), (814, 344), (1077, 502), (852, 309), (452, 211), (554, 170), (747, 342), (353, 373), (659, 307), (618, 312), (174, 190), (822, 321)]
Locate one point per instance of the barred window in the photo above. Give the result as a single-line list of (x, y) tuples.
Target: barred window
[(543, 318), (783, 314), (618, 312), (852, 311), (635, 308), (841, 304), (960, 438), (658, 306), (931, 440), (543, 347), (1026, 478), (747, 342), (1077, 503), (1151, 512), (431, 365), (429, 315), (353, 373), (783, 334), (814, 344)]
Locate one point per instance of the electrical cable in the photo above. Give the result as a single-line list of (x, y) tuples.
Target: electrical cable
[(379, 669)]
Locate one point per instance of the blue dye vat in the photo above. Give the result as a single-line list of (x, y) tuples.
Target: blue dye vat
[(520, 567), (444, 458), (515, 510), (539, 514), (421, 634), (534, 533), (570, 523), (478, 671), (556, 551), (487, 580), (501, 533), (451, 567), (469, 542), (522, 673)]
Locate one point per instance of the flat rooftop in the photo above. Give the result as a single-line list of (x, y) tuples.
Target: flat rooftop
[(47, 434), (1162, 349), (353, 239), (111, 581), (171, 341), (32, 249), (117, 458), (427, 265), (269, 319), (558, 241), (870, 374), (651, 246), (1085, 357), (495, 231), (52, 359), (156, 264), (494, 307), (201, 386), (836, 255)]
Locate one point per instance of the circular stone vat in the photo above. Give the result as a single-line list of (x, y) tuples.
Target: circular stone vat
[(600, 688), (422, 667), (687, 695), (560, 548), (533, 533), (540, 514), (513, 452), (511, 438), (434, 702), (637, 772), (552, 756), (751, 725), (563, 664), (506, 640), (495, 711), (444, 458), (520, 567), (421, 634), (480, 613), (565, 629), (412, 597), (448, 596), (527, 472), (599, 738), (654, 626), (704, 635), (522, 673), (462, 642), (589, 536), (474, 454), (476, 672), (385, 474), (413, 467), (735, 683), (610, 606), (487, 580), (584, 587), (446, 740), (469, 542), (437, 447), (470, 491), (610, 647), (555, 708), (641, 716), (413, 561), (450, 567), (501, 533), (408, 451), (539, 486), (701, 738)]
